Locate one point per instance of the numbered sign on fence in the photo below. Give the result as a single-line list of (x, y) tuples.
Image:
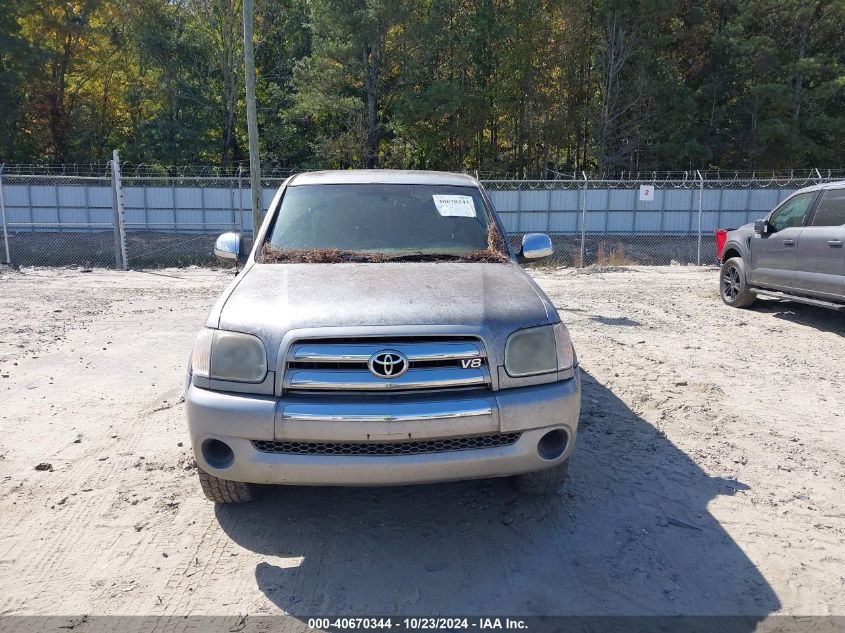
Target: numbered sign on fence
[(647, 193)]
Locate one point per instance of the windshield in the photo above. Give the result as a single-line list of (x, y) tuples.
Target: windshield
[(381, 222)]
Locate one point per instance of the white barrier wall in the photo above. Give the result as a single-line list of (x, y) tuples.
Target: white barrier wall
[(673, 211), (86, 204)]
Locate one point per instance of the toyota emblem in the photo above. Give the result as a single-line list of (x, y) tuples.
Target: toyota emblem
[(388, 363)]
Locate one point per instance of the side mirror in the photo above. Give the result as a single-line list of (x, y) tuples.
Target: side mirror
[(536, 246), (228, 247), (761, 227)]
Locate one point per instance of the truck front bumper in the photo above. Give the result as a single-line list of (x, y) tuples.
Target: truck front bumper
[(301, 440)]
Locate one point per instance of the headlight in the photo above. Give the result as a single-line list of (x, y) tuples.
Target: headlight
[(233, 356), (539, 350)]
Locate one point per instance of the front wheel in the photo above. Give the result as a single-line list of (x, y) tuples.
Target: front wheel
[(733, 285), (542, 482), (225, 491)]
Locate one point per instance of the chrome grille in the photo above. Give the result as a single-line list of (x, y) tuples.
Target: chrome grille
[(447, 445), (341, 364)]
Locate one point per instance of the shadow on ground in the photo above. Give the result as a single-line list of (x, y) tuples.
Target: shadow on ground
[(822, 319), (615, 321), (630, 534)]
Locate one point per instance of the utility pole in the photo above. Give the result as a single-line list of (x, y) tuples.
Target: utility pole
[(251, 116)]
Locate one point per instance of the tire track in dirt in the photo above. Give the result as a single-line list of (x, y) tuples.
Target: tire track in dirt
[(689, 458)]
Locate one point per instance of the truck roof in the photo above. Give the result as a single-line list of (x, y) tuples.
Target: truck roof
[(837, 184), (381, 176)]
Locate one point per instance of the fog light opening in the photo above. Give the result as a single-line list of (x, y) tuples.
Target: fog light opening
[(552, 444), (217, 454)]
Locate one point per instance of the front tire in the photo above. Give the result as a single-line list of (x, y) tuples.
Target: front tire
[(542, 482), (733, 284), (225, 491)]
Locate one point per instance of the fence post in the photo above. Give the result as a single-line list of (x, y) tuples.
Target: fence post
[(3, 209), (584, 219), (700, 209), (119, 220), (240, 198)]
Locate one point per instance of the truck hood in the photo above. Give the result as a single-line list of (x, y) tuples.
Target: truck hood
[(269, 300), (740, 233), (745, 228)]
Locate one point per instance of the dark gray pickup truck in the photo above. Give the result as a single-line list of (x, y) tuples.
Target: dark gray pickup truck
[(796, 252)]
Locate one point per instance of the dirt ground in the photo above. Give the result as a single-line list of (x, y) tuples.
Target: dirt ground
[(709, 476)]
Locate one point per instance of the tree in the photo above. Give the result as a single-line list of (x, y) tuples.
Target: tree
[(74, 46), (340, 86), (220, 22), (283, 38), (794, 76), (15, 67), (527, 87)]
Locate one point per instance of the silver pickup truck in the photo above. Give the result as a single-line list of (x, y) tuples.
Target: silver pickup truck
[(381, 332), (794, 253)]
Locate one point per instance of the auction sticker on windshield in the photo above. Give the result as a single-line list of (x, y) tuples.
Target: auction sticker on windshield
[(454, 206)]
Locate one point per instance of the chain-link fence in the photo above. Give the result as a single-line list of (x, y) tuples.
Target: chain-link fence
[(653, 221), (57, 220), (173, 220), (146, 219)]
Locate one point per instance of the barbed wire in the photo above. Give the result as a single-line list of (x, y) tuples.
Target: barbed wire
[(73, 169), (706, 174), (145, 170), (673, 178)]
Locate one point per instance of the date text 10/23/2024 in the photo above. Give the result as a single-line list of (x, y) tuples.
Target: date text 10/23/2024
[(417, 623)]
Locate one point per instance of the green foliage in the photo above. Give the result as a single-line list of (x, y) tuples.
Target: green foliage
[(518, 86), (15, 59)]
